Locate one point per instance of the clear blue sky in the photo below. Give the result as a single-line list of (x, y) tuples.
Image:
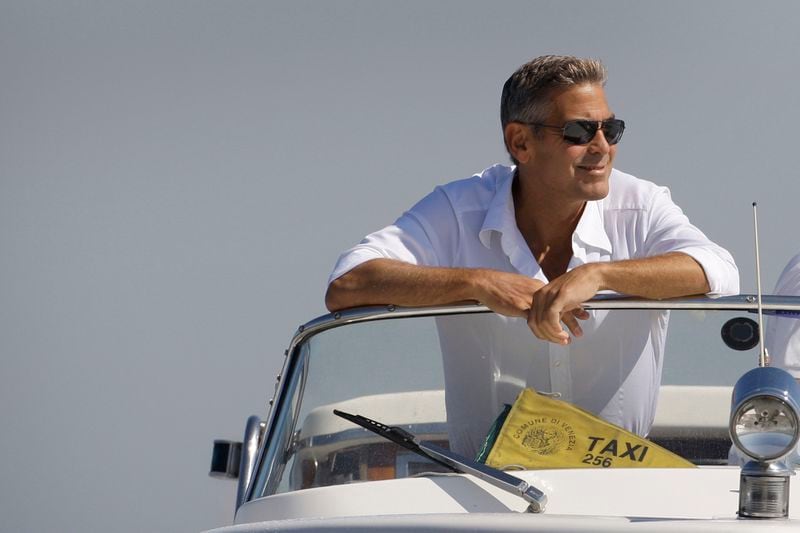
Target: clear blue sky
[(178, 178)]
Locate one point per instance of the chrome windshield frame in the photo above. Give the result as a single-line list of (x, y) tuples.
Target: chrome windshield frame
[(292, 372)]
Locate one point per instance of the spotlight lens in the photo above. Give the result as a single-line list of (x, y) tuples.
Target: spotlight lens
[(765, 428)]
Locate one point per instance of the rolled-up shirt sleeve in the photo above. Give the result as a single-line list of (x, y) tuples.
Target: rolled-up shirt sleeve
[(426, 234), (669, 230)]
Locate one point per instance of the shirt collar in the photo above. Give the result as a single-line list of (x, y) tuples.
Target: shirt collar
[(591, 227), (500, 218), (500, 214)]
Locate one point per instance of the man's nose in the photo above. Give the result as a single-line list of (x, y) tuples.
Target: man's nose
[(599, 144)]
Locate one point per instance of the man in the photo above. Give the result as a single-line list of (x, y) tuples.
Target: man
[(535, 241), (783, 334)]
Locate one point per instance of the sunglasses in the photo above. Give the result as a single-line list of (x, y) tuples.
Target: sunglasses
[(583, 131)]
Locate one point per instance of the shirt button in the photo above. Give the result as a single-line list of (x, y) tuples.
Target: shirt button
[(557, 363)]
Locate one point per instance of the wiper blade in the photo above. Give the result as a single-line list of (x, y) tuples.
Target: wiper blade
[(393, 433), (455, 462)]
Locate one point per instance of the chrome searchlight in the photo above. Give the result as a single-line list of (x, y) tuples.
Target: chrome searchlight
[(765, 425)]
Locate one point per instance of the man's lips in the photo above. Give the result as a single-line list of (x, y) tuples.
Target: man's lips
[(592, 167)]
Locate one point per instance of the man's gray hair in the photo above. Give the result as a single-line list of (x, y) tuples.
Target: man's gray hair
[(527, 93)]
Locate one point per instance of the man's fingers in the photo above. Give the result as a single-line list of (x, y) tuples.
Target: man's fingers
[(548, 329), (536, 328), (522, 305), (547, 314), (557, 302), (572, 323), (552, 316), (519, 311), (581, 313), (552, 328), (509, 294)]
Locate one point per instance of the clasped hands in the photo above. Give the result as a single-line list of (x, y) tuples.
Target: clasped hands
[(546, 306)]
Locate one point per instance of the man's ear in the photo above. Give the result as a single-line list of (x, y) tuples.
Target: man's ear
[(519, 141)]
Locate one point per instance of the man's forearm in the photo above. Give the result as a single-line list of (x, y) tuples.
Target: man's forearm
[(666, 276), (386, 281)]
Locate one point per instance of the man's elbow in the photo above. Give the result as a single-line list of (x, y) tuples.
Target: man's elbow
[(334, 296), (345, 291), (353, 288)]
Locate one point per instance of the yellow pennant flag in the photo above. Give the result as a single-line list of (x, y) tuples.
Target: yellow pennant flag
[(542, 432)]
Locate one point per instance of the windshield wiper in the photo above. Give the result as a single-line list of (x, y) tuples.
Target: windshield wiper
[(453, 461)]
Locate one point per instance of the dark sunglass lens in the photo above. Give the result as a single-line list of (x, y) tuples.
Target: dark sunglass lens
[(612, 130), (579, 131)]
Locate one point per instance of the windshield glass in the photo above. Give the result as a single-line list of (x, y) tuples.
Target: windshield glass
[(446, 379)]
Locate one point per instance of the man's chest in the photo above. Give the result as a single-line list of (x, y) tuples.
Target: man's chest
[(512, 254)]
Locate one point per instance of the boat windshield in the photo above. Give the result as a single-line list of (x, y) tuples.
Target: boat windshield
[(446, 378)]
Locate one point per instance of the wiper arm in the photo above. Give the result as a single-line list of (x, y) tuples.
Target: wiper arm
[(453, 461), (393, 433)]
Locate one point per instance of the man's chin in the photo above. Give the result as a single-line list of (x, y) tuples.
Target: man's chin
[(595, 191), (593, 186)]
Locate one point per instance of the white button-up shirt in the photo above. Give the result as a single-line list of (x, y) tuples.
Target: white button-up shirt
[(614, 370)]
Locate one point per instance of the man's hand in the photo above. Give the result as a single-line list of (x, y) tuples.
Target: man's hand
[(517, 295), (663, 276), (560, 300), (506, 293)]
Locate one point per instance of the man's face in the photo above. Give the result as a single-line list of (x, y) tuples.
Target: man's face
[(570, 171)]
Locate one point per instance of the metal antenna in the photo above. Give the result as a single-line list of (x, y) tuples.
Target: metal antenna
[(763, 358)]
